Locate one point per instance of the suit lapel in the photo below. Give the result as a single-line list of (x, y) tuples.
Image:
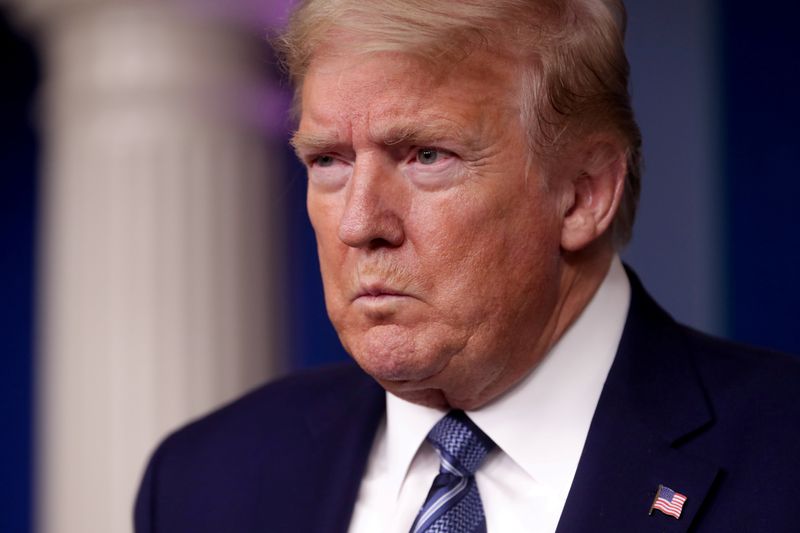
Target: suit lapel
[(652, 402), (341, 433)]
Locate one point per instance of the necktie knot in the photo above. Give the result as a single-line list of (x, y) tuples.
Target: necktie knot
[(454, 504), (461, 444)]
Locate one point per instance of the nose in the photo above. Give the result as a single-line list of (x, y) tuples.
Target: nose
[(371, 217)]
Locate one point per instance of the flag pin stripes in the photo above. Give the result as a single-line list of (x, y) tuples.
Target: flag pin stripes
[(668, 502)]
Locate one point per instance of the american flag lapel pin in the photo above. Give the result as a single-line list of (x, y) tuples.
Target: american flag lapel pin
[(668, 502)]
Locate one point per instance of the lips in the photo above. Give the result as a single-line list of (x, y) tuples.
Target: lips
[(378, 290), (379, 303)]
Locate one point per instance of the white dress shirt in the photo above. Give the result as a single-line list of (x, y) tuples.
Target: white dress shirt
[(539, 426)]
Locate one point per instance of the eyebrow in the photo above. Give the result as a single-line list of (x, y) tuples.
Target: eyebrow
[(427, 133), (310, 142), (415, 133)]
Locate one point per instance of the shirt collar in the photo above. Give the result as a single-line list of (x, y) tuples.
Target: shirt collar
[(541, 423), (407, 425)]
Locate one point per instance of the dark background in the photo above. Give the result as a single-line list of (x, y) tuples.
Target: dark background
[(753, 108), (18, 169)]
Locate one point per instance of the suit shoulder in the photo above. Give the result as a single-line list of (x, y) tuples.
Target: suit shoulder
[(221, 471), (751, 374), (273, 415)]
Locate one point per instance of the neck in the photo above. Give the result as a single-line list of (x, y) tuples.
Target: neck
[(583, 273)]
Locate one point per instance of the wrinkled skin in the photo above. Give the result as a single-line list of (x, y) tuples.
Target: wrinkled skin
[(440, 246)]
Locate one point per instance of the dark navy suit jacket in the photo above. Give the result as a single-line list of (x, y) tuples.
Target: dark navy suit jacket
[(715, 421)]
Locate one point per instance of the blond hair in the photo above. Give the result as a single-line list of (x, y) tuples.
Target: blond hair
[(574, 75)]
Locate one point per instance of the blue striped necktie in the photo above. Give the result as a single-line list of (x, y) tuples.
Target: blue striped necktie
[(453, 504)]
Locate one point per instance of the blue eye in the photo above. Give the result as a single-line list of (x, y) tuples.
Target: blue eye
[(428, 156), (323, 160)]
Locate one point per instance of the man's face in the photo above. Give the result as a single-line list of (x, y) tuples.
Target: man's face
[(440, 257)]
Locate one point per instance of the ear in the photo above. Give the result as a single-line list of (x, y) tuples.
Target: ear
[(593, 195)]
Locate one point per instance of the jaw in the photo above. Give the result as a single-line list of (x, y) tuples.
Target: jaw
[(472, 378), (403, 358)]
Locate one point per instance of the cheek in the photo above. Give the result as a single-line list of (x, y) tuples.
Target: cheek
[(477, 256), (324, 215), (321, 212)]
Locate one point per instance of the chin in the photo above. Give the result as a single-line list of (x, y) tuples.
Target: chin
[(424, 381), (391, 353), (399, 370)]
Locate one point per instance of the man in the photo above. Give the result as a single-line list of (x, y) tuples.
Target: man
[(472, 171)]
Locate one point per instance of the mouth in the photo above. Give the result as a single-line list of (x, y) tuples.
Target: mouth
[(379, 297), (381, 291), (378, 291), (371, 285)]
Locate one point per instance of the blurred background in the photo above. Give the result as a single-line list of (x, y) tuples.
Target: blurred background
[(155, 255)]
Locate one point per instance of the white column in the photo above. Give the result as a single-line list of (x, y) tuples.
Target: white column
[(158, 272)]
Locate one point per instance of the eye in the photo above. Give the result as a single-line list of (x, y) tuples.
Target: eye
[(328, 171), (324, 160), (433, 168), (428, 156)]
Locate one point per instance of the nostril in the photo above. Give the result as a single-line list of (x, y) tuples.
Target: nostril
[(380, 242), (371, 229)]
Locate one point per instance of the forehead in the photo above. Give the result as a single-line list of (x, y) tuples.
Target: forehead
[(387, 94)]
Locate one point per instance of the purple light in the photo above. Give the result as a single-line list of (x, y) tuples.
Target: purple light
[(256, 14)]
